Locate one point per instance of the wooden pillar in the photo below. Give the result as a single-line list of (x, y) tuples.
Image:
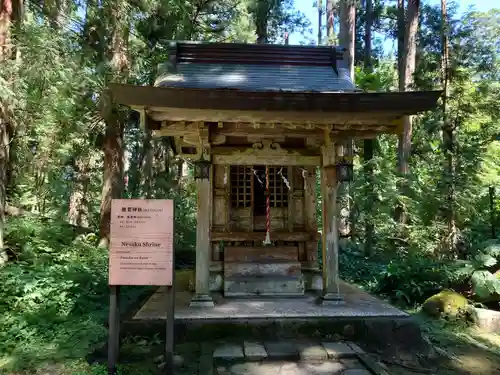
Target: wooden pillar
[(202, 297), (330, 237), (310, 216), (291, 203)]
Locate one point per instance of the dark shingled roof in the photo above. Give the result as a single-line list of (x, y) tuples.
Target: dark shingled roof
[(255, 67), (232, 82)]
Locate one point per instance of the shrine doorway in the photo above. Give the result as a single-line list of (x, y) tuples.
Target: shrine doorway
[(259, 196)]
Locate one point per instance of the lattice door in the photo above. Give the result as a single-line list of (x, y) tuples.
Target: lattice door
[(277, 186), (241, 186)]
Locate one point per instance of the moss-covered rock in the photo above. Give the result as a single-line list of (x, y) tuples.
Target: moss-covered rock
[(446, 303)]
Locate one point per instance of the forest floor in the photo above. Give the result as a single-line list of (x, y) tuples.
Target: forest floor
[(468, 351), (53, 309)]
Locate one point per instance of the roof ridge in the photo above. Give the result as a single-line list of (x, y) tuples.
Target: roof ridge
[(340, 49)]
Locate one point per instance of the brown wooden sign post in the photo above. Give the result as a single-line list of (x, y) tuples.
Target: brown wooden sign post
[(141, 253)]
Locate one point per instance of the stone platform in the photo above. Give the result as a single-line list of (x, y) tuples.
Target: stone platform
[(358, 304), (362, 318)]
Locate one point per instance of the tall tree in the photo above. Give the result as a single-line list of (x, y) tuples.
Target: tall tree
[(330, 19), (347, 32), (320, 22), (400, 34), (347, 17), (10, 18), (55, 11), (448, 135), (406, 81), (262, 20), (368, 144), (116, 53)]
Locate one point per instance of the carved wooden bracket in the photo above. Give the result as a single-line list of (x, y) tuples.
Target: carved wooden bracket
[(265, 152)]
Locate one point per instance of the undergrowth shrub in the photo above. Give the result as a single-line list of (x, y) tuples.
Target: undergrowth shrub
[(412, 279), (54, 295), (406, 280)]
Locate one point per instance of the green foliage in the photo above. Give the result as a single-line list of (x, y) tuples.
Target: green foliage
[(485, 285), (413, 279), (54, 295)]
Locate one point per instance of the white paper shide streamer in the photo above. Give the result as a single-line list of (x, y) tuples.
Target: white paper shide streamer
[(284, 179), (257, 176), (305, 172)]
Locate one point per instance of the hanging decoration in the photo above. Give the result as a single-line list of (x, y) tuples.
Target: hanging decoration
[(225, 176), (267, 240), (284, 178), (257, 176), (304, 173)]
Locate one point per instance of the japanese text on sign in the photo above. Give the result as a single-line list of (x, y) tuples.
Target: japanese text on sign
[(141, 246)]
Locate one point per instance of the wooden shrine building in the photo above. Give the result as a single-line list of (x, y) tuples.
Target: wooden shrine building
[(259, 120)]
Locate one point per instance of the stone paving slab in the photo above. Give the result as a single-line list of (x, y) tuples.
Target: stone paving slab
[(357, 372), (281, 349), (323, 368), (290, 368), (312, 351), (351, 362), (229, 352), (338, 349), (254, 351), (290, 358), (356, 348), (206, 366)]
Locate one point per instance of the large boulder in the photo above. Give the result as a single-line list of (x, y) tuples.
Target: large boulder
[(446, 303)]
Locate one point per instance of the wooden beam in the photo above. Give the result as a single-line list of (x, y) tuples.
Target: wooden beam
[(275, 117), (312, 133), (266, 131), (145, 121), (257, 236), (292, 160), (263, 154)]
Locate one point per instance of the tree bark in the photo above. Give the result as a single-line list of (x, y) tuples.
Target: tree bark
[(320, 22), (401, 41), (261, 21), (10, 17), (448, 139), (406, 80), (368, 144), (112, 174), (347, 32), (368, 35), (78, 212), (56, 10), (330, 19), (147, 165), (408, 66), (116, 53), (4, 165), (346, 40)]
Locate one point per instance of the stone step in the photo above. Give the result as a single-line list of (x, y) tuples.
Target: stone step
[(260, 253), (242, 286), (276, 268)]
